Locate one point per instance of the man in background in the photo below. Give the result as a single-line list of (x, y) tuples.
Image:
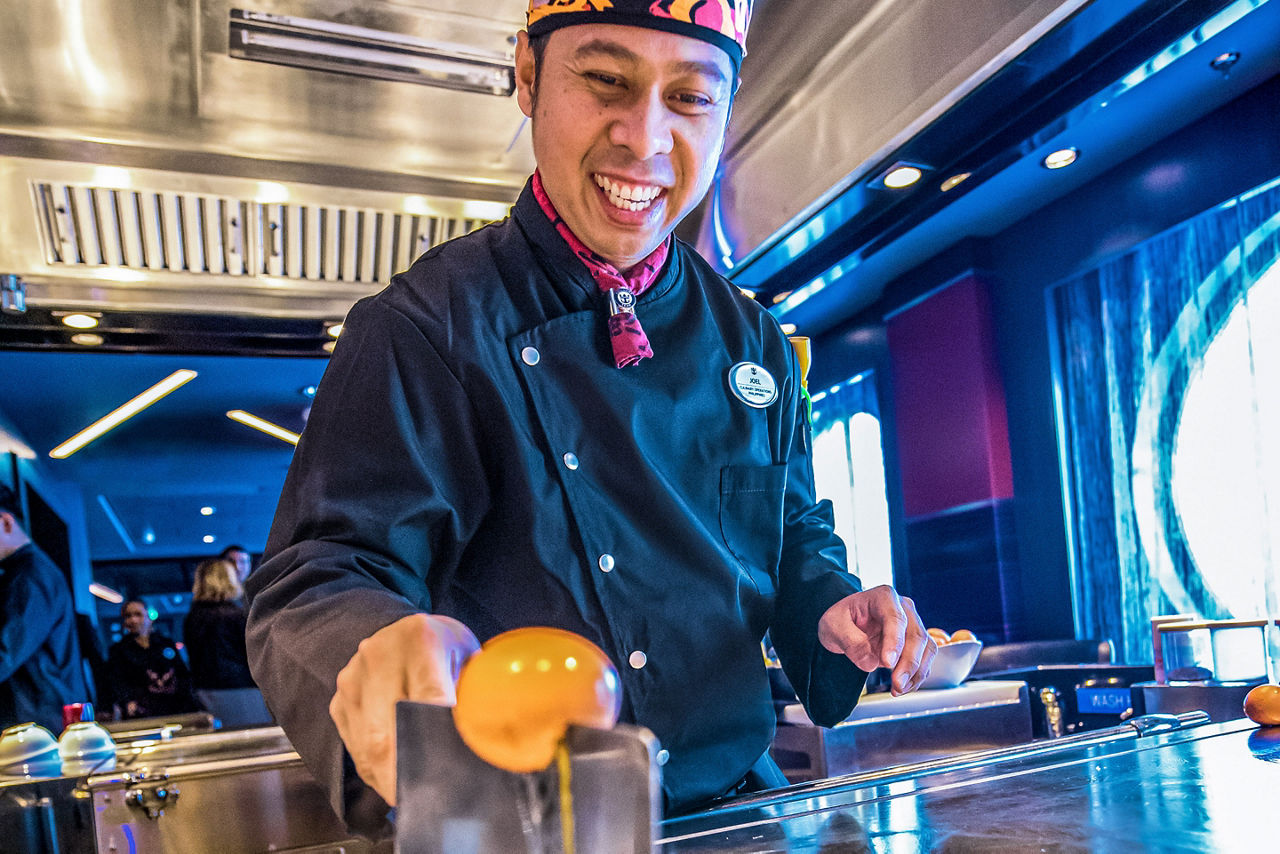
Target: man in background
[(239, 556), (40, 664)]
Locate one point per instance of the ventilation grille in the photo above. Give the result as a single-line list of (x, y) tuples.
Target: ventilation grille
[(205, 234)]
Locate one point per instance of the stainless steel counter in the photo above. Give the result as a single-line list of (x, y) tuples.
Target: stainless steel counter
[(1168, 784)]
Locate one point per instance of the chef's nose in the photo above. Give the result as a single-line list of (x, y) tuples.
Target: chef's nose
[(643, 125)]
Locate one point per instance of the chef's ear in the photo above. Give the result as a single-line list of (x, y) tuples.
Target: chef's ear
[(526, 73)]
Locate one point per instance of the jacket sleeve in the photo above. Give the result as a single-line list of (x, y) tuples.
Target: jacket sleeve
[(24, 619), (813, 575), (385, 483)]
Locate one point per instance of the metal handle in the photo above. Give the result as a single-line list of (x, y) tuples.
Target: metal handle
[(152, 800)]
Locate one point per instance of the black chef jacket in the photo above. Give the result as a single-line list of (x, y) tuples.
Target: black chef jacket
[(40, 665), (473, 451)]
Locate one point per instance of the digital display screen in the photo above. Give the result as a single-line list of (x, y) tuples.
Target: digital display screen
[(1102, 701)]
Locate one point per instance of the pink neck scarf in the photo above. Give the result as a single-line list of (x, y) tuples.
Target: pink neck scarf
[(630, 344)]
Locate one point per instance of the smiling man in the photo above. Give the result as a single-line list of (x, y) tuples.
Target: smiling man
[(569, 419)]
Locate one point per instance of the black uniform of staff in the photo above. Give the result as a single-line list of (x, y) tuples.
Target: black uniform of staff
[(475, 452)]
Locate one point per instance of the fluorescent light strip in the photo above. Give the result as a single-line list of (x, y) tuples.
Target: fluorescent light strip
[(262, 424), (102, 591), (124, 413)]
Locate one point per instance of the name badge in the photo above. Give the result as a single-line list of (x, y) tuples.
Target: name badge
[(752, 384)]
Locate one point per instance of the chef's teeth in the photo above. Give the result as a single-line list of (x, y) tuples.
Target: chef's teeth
[(626, 196)]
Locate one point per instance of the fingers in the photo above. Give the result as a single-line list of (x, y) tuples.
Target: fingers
[(363, 709), (918, 651), (888, 609), (415, 658)]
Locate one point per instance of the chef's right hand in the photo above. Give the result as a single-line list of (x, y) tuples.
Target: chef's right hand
[(415, 658)]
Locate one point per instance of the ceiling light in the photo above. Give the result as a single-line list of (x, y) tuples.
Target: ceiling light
[(308, 391), (122, 414), (206, 511), (208, 538), (87, 339), (788, 329), (1061, 158), (901, 176), (328, 346), (363, 52), (334, 329), (245, 418), (1224, 62), (79, 321), (955, 181), (102, 591)]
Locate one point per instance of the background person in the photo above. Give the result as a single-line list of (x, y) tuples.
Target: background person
[(214, 636), (241, 559), (148, 677), (40, 665), (570, 419)]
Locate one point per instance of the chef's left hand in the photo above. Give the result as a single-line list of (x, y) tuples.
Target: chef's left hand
[(879, 628)]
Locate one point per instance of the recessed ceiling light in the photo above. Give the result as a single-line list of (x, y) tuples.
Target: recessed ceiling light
[(788, 329), (334, 329), (206, 511), (209, 538), (1061, 158), (80, 321), (955, 181), (328, 346), (121, 414), (1224, 62), (308, 391), (902, 175), (87, 339)]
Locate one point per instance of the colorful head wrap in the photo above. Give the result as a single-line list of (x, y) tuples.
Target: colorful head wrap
[(723, 23)]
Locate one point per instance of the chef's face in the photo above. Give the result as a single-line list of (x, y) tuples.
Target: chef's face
[(628, 125), (135, 619)]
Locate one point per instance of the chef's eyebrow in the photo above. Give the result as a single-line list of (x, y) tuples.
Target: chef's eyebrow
[(622, 53)]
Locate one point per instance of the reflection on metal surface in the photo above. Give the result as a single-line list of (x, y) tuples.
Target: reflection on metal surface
[(365, 52), (1197, 788), (1051, 700)]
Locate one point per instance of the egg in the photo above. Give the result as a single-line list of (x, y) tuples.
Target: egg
[(962, 635), (939, 636), (518, 695), (1262, 705)]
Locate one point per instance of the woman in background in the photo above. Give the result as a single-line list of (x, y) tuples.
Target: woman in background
[(147, 676), (214, 637)]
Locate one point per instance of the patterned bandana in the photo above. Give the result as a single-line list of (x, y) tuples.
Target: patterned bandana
[(723, 23), (630, 344)]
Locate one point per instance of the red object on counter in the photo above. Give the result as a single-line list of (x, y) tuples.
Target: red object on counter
[(76, 712)]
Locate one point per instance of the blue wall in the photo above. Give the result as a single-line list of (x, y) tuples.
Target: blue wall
[(1226, 153)]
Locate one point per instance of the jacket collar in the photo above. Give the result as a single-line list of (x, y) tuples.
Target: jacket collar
[(557, 258)]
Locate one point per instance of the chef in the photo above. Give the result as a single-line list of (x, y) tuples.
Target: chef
[(569, 419)]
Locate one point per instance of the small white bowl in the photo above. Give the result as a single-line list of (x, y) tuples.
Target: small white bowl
[(86, 748), (28, 750), (952, 664)]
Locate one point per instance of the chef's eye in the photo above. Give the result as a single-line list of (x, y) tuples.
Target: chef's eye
[(693, 102), (604, 79)]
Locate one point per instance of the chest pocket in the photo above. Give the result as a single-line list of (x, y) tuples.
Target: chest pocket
[(751, 519)]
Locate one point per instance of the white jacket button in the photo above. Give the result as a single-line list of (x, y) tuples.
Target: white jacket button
[(530, 355)]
